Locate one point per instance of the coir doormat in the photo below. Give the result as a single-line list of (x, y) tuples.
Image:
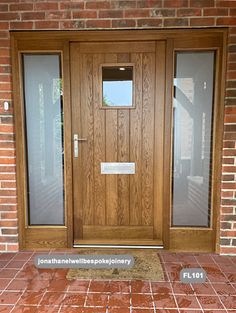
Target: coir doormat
[(146, 266)]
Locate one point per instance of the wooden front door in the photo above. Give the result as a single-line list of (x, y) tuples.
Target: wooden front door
[(118, 208)]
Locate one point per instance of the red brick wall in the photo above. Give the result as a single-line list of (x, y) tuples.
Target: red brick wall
[(78, 14)]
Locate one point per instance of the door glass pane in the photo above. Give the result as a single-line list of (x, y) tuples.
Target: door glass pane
[(44, 138), (117, 86), (192, 138)]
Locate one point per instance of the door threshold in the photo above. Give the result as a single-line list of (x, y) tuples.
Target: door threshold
[(119, 242), (117, 246)]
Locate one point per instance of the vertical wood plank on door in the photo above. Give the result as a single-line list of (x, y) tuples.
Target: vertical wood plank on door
[(148, 137), (136, 144), (99, 144), (86, 147), (123, 156), (111, 156)]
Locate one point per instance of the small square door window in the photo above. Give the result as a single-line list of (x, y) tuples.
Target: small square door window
[(117, 86)]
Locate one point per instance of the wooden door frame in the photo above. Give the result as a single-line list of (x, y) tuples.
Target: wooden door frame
[(58, 41)]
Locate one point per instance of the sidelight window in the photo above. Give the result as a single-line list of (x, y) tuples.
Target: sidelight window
[(192, 138), (44, 138)]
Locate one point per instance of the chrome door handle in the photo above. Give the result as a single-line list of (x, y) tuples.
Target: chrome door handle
[(76, 140)]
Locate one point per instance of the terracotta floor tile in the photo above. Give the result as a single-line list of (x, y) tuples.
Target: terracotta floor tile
[(96, 300), (139, 286), (163, 301), (119, 300), (229, 302), (51, 298), (227, 268), (204, 258), (119, 310), (169, 257), (216, 278), (221, 258), (186, 257), (119, 286), (7, 256), (212, 269), (231, 277), (38, 285), (48, 309), (174, 276), (192, 311), (18, 284), (213, 311), (93, 310), (27, 272), (30, 297), (60, 273), (22, 256), (224, 289), (99, 286), (139, 300), (70, 309), (24, 309), (15, 264), (40, 252), (173, 267), (3, 263), (29, 263), (168, 311), (8, 273), (44, 274), (143, 310), (187, 302), (78, 285), (210, 302), (203, 289), (232, 259), (74, 299), (190, 265), (161, 287), (8, 297), (166, 277), (5, 308), (4, 282), (58, 285), (182, 289)]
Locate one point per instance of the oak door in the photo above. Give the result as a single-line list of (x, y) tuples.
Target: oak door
[(118, 208)]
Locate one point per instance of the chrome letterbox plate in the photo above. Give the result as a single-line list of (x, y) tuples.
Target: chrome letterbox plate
[(117, 168)]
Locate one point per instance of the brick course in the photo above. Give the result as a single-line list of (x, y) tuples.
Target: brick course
[(100, 14)]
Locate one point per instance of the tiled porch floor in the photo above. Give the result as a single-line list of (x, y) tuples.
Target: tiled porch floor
[(24, 288)]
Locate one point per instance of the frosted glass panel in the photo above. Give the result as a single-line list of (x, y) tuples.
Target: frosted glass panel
[(44, 134), (192, 136)]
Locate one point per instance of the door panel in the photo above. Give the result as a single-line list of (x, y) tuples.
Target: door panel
[(115, 207)]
